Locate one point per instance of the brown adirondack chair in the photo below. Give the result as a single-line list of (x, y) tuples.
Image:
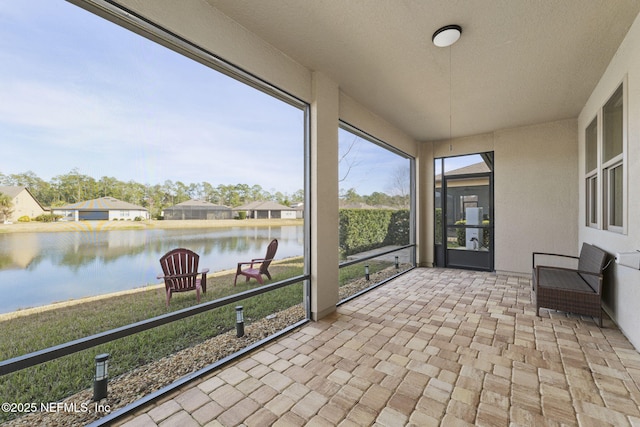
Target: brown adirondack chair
[(258, 266), (180, 268)]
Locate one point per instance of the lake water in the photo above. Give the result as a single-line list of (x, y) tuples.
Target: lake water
[(42, 268)]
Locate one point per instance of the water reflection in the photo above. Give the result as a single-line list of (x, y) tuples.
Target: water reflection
[(51, 267)]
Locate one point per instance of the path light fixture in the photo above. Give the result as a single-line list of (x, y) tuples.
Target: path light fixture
[(366, 272), (102, 377), (397, 263), (239, 322)]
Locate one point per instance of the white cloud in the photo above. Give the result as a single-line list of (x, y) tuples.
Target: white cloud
[(144, 114)]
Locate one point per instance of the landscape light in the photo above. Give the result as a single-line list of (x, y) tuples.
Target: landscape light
[(239, 322), (102, 377), (366, 272), (397, 264)]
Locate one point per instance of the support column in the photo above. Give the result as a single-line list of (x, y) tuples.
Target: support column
[(425, 217), (324, 196)]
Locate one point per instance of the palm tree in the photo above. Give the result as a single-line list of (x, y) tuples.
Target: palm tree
[(6, 206)]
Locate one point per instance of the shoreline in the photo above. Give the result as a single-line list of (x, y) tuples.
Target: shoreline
[(77, 301), (85, 226)]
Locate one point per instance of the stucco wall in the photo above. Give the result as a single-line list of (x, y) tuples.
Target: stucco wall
[(536, 196), (535, 191), (622, 288)]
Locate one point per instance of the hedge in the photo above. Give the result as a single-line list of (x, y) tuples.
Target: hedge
[(365, 229)]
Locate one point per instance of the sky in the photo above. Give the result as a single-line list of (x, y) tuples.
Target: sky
[(367, 167), (79, 92)]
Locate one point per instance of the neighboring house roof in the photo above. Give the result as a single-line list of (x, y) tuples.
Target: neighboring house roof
[(263, 206), (14, 190), (198, 204), (480, 167), (103, 203)]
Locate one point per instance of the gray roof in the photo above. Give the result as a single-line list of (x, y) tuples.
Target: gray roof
[(263, 206), (12, 190), (198, 204), (103, 203), (480, 167)]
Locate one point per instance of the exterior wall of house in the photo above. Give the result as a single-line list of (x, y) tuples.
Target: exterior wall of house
[(622, 289), (127, 214), (288, 214), (536, 197), (535, 192), (25, 204)]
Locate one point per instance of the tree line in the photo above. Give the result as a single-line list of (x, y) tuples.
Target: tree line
[(397, 201), (77, 187)]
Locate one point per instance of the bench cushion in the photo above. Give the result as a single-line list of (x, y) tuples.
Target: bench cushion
[(562, 279)]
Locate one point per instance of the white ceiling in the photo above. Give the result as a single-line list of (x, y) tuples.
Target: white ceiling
[(518, 62)]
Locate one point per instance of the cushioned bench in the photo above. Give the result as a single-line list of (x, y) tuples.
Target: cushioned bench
[(572, 290)]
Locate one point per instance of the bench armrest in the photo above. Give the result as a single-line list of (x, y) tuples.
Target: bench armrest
[(533, 264)]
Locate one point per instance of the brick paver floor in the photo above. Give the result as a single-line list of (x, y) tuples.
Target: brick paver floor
[(434, 347)]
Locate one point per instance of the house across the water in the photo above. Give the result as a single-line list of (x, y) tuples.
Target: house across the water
[(102, 209), (23, 203)]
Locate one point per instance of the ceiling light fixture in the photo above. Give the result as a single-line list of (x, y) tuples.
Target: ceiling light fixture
[(447, 35)]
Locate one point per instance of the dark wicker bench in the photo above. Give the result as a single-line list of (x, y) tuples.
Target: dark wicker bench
[(572, 290)]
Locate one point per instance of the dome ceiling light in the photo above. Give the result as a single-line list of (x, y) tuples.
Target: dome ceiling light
[(446, 36)]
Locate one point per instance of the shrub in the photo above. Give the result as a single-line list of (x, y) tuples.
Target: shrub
[(138, 218), (48, 217), (399, 227), (24, 218), (365, 229)]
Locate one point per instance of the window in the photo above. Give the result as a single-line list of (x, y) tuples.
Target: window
[(604, 165), (613, 162), (592, 201), (153, 128), (612, 126), (591, 168), (376, 211)]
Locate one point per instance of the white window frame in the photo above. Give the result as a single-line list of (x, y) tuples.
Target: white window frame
[(599, 198), (592, 191), (609, 205)]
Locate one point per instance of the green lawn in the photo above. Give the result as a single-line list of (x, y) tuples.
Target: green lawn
[(57, 379)]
